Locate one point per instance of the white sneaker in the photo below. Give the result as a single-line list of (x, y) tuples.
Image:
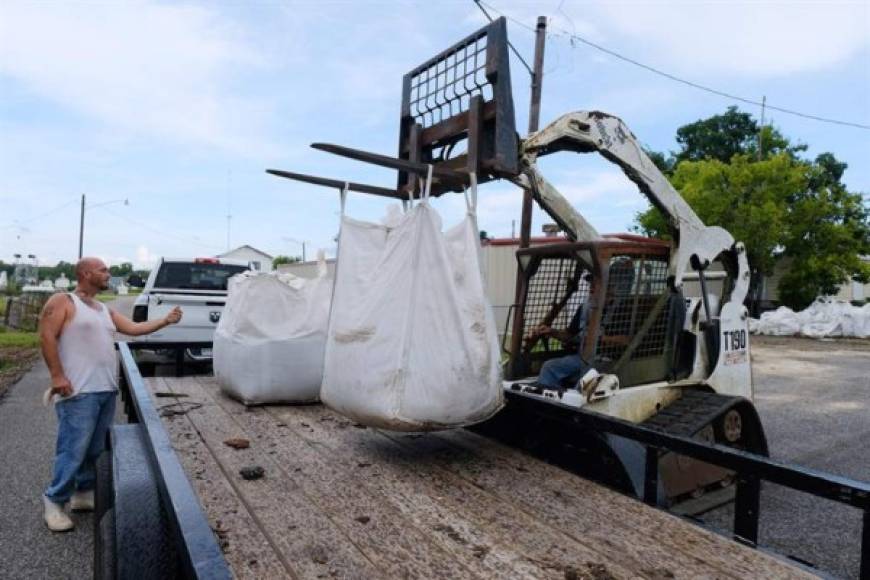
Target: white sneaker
[(55, 518), (82, 501)]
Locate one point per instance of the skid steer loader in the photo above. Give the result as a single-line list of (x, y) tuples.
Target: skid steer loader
[(666, 328)]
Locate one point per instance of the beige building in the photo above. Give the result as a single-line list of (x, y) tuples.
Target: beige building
[(849, 290)]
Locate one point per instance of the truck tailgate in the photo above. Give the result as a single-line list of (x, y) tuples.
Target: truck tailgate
[(201, 315)]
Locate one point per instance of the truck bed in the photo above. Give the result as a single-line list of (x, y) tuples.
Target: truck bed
[(339, 500)]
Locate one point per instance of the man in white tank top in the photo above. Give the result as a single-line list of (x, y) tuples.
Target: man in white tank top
[(77, 336)]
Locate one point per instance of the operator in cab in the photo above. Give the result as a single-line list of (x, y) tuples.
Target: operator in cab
[(564, 372)]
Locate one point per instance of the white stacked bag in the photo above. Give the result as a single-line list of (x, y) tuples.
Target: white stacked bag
[(412, 343), (824, 318), (269, 343)]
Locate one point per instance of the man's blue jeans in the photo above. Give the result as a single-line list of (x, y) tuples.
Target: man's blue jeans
[(82, 424), (559, 369)]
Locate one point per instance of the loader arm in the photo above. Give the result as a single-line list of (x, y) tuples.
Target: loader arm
[(594, 131)]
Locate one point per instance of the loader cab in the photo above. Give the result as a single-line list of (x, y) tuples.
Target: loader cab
[(634, 320)]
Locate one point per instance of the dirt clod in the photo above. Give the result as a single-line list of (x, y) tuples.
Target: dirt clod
[(237, 443), (319, 555), (657, 573), (451, 533), (593, 571), (252, 472)]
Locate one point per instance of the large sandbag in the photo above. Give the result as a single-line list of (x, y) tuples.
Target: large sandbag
[(824, 318), (781, 322), (412, 343), (269, 343)]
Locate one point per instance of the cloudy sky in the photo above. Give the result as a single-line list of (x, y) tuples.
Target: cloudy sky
[(178, 107)]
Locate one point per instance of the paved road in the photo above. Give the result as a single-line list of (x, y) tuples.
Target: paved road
[(27, 549)]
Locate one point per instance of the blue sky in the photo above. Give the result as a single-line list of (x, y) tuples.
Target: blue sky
[(179, 107)]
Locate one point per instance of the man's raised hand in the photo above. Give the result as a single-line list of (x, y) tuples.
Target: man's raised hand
[(174, 315)]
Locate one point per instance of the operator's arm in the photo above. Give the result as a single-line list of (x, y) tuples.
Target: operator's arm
[(51, 321), (128, 327)]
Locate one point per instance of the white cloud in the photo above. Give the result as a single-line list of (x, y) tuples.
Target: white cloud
[(746, 38), (151, 69), (144, 258)]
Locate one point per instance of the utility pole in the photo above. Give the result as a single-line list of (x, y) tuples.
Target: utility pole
[(82, 227), (534, 120), (761, 129)]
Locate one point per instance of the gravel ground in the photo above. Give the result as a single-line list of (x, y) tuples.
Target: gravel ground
[(814, 401)]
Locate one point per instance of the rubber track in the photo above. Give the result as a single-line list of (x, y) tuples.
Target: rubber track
[(690, 413)]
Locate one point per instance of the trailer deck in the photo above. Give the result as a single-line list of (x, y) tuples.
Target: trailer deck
[(339, 500)]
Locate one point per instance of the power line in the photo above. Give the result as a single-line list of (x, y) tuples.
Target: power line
[(516, 52), (677, 79), (19, 223), (161, 232)]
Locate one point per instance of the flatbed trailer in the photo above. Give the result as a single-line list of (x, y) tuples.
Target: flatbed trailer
[(339, 500)]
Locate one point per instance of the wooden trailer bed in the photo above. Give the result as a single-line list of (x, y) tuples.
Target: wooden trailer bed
[(338, 500)]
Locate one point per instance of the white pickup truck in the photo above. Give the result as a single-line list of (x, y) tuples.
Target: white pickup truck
[(199, 287)]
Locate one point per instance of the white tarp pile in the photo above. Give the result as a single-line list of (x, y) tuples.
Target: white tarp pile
[(824, 318), (412, 343), (269, 343)]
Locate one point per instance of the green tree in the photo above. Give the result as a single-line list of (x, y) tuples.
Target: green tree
[(278, 260), (123, 270), (778, 204)]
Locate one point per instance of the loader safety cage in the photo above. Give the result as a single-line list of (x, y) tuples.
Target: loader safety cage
[(195, 544), (202, 557)]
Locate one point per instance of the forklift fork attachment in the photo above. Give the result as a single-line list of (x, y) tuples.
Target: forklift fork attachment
[(338, 184), (442, 175)]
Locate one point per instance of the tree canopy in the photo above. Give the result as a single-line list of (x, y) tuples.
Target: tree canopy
[(777, 203), (278, 260)]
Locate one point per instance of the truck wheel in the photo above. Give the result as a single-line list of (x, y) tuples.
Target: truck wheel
[(104, 547)]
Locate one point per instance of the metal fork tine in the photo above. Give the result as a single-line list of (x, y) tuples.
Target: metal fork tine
[(336, 183)]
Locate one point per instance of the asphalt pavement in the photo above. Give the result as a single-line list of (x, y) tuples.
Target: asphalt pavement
[(27, 549)]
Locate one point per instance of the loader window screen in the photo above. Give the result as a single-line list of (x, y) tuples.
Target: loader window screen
[(190, 276), (555, 293), (635, 287)]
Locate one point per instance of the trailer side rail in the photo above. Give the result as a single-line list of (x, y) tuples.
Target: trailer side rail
[(750, 469), (195, 542)]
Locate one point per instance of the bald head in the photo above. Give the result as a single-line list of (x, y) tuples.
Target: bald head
[(92, 275), (87, 265)]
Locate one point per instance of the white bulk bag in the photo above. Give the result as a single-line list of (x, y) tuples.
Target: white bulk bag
[(268, 346), (412, 342)]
